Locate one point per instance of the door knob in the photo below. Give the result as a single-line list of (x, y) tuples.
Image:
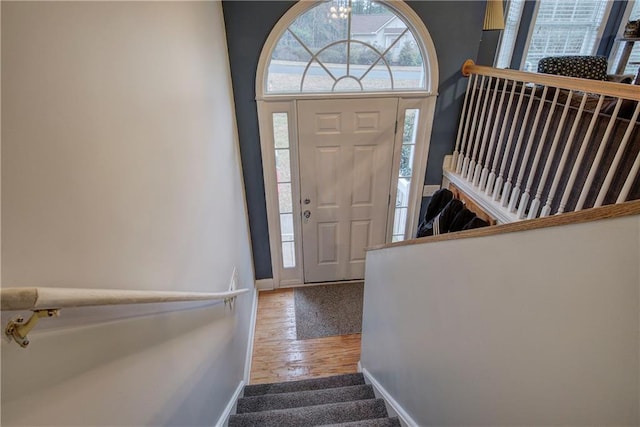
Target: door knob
[(307, 214)]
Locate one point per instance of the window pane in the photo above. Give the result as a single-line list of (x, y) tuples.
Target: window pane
[(317, 79), (288, 254), (286, 227), (400, 221), (288, 57), (361, 57), (402, 196), (335, 59), (318, 26), (565, 27), (409, 131), (410, 126), (379, 78), (347, 84), (406, 161), (284, 198), (508, 38), (281, 130), (283, 166)]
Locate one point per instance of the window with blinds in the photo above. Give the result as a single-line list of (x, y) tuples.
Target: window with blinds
[(508, 39), (565, 27), (559, 27)]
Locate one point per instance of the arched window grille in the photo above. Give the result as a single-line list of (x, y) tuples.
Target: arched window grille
[(347, 46)]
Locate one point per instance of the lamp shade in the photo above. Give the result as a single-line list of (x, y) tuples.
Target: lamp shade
[(494, 16)]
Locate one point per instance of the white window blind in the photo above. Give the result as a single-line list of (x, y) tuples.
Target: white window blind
[(565, 27), (508, 39)]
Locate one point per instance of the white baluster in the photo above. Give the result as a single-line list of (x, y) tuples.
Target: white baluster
[(485, 134), (480, 132), (613, 169), (467, 155), (596, 161), (546, 210), (496, 156), (494, 131), (580, 157), (498, 186), (626, 188), (515, 194), (454, 162), (516, 151), (535, 205), (466, 125), (524, 200)]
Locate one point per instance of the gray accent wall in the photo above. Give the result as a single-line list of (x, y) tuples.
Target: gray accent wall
[(456, 30)]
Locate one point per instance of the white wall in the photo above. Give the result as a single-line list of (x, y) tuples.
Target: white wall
[(531, 328), (120, 170)]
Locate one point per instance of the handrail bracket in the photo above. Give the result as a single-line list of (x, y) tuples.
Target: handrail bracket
[(229, 301), (18, 329)]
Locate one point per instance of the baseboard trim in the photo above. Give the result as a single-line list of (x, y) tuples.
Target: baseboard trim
[(252, 330), (405, 418), (224, 417), (265, 285)]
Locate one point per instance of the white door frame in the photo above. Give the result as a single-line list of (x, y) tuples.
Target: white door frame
[(295, 276), (268, 104)]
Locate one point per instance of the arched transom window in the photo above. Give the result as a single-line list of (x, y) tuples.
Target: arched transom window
[(347, 46)]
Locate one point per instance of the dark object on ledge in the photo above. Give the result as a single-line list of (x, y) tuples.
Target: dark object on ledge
[(438, 201), (475, 223), (453, 217), (462, 219), (632, 29), (582, 67)]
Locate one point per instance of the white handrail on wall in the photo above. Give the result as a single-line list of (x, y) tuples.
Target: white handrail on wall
[(46, 302), (56, 298)]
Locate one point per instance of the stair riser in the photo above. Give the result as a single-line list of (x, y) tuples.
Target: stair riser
[(304, 398), (333, 413), (312, 384)]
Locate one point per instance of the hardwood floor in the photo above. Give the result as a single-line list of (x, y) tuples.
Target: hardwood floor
[(279, 356)]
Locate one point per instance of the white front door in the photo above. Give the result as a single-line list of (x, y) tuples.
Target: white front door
[(346, 156)]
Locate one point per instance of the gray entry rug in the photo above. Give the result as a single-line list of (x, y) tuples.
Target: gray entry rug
[(327, 310)]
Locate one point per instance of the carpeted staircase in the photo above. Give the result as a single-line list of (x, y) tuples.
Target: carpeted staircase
[(342, 400)]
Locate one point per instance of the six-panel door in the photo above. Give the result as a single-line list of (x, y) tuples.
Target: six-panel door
[(346, 153)]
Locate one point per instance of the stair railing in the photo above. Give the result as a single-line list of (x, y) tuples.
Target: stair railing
[(47, 302), (531, 145)]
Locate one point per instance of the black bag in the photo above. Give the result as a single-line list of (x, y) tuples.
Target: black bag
[(475, 223), (441, 223), (438, 201), (463, 217)]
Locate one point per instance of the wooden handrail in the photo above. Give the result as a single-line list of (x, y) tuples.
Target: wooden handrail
[(617, 90), (587, 215), (56, 298)]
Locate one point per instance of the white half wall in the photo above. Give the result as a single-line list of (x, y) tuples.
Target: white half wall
[(532, 328), (120, 170)]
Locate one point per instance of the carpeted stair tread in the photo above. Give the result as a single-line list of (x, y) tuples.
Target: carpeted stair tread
[(301, 385), (298, 399), (331, 413), (376, 422)]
